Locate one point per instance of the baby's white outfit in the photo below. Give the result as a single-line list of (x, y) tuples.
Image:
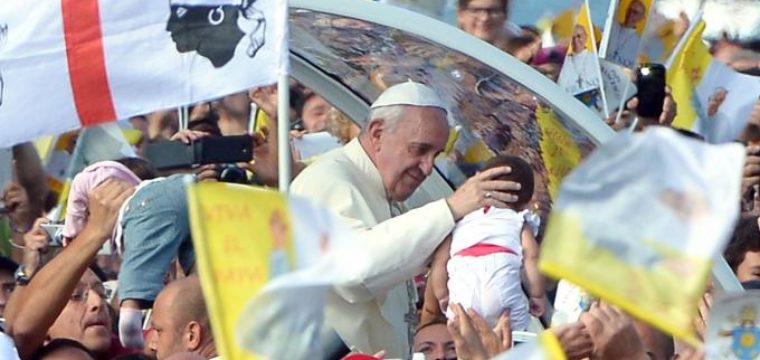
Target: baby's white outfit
[(491, 283)]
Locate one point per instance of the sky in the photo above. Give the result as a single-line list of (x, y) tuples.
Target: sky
[(532, 10), (529, 11)]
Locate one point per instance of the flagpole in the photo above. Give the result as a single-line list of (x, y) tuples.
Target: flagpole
[(644, 39), (684, 39), (182, 115), (55, 214), (611, 14), (283, 131), (605, 106), (723, 277), (252, 117)]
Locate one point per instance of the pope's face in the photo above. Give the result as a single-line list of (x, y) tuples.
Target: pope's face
[(579, 39), (636, 12), (405, 154), (715, 101)]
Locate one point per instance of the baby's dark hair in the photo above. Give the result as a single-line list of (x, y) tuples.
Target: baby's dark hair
[(142, 168), (521, 173)]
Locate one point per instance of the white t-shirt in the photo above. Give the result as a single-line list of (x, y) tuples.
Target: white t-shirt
[(501, 227)]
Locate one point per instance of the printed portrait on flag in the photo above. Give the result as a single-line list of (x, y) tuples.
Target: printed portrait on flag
[(723, 99), (715, 100), (214, 28), (733, 330), (580, 71), (592, 99), (626, 30), (581, 75)]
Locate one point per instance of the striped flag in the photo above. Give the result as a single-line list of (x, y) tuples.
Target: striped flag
[(66, 64)]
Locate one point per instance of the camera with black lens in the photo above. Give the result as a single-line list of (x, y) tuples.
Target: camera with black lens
[(231, 173), (208, 150)]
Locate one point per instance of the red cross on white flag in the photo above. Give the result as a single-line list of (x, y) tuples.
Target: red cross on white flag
[(65, 64)]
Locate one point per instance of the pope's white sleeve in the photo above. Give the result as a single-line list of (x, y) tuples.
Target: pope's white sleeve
[(398, 249), (392, 251)]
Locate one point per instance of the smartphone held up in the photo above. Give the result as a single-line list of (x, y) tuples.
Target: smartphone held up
[(650, 82)]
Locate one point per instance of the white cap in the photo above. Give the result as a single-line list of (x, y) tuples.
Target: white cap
[(409, 93)]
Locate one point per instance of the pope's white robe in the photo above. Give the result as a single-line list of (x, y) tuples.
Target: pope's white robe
[(368, 314)]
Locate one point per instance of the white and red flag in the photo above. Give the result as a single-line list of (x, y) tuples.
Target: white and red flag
[(65, 64)]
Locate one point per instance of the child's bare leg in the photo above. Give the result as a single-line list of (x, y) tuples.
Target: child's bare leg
[(130, 324)]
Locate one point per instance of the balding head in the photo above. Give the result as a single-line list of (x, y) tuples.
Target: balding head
[(181, 321), (188, 303)]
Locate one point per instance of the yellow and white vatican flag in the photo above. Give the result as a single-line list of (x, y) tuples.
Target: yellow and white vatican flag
[(733, 330), (623, 31), (720, 98), (580, 71), (559, 150), (65, 64), (266, 262), (640, 220)]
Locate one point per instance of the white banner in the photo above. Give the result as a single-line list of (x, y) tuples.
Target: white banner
[(71, 63)]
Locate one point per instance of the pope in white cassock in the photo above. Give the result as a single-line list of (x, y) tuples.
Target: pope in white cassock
[(364, 182), (580, 71), (623, 43)]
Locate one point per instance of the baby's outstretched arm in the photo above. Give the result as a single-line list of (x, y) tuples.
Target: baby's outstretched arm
[(536, 282)]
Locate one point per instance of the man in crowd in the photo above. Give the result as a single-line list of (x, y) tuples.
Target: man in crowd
[(743, 252), (434, 340), (364, 182), (65, 299), (487, 20), (7, 283), (180, 322)]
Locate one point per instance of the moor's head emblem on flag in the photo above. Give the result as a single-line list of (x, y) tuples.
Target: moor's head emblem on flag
[(3, 35), (214, 28)]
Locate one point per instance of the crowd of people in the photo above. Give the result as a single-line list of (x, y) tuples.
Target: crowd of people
[(61, 298)]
